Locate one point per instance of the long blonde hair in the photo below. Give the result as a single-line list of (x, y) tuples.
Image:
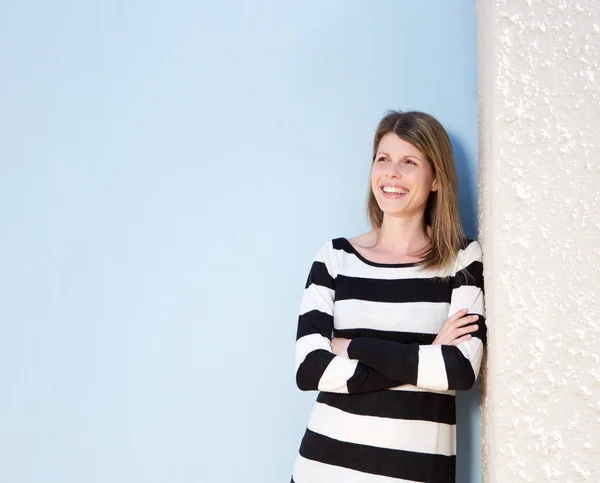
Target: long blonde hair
[(441, 211)]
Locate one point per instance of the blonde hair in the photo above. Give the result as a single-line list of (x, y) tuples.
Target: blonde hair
[(441, 211)]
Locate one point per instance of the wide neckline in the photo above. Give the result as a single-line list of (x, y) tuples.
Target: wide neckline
[(377, 264)]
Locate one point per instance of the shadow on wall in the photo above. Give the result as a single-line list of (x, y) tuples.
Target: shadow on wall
[(468, 438), (467, 188)]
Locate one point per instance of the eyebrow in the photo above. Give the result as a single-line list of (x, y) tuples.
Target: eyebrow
[(387, 154)]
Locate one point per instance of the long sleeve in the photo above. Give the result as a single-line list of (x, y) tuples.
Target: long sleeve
[(436, 367), (317, 367)]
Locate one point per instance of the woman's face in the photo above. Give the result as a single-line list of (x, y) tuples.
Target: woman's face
[(401, 177)]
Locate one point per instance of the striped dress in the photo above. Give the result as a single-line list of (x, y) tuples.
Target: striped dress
[(386, 414)]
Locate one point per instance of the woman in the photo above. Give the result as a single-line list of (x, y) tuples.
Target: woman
[(404, 303)]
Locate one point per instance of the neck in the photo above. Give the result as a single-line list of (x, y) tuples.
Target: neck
[(402, 235)]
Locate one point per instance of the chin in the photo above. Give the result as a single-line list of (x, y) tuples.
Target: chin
[(403, 212)]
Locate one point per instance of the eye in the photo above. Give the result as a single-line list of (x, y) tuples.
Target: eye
[(410, 161), (382, 159)]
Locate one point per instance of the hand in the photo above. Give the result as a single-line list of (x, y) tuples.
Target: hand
[(454, 331), (340, 346)]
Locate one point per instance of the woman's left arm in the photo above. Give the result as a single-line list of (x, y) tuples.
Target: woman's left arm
[(436, 367)]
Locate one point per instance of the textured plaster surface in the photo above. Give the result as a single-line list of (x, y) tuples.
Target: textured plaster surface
[(540, 230)]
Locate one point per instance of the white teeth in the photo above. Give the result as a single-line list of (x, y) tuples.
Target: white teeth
[(394, 189)]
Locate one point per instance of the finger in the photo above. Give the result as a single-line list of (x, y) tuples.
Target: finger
[(459, 314), (455, 320), (464, 338), (452, 321), (467, 320), (466, 330)]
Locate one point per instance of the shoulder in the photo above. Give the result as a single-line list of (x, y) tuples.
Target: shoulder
[(333, 251), (469, 253), (366, 240), (350, 245), (343, 244), (327, 250), (471, 247)]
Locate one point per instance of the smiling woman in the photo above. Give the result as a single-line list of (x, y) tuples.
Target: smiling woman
[(420, 153), (392, 322)]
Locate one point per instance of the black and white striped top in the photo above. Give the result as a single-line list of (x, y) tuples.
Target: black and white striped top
[(386, 414)]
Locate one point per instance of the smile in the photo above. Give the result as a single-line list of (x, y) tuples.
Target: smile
[(394, 189), (393, 192)]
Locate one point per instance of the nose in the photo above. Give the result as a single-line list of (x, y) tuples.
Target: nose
[(395, 170)]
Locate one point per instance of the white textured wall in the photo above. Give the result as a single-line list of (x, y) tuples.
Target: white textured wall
[(540, 229)]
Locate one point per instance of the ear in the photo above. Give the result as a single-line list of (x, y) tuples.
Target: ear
[(434, 185)]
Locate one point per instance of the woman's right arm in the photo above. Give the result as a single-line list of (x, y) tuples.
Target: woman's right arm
[(317, 367)]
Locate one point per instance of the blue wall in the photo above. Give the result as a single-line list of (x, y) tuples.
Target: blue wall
[(168, 171)]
